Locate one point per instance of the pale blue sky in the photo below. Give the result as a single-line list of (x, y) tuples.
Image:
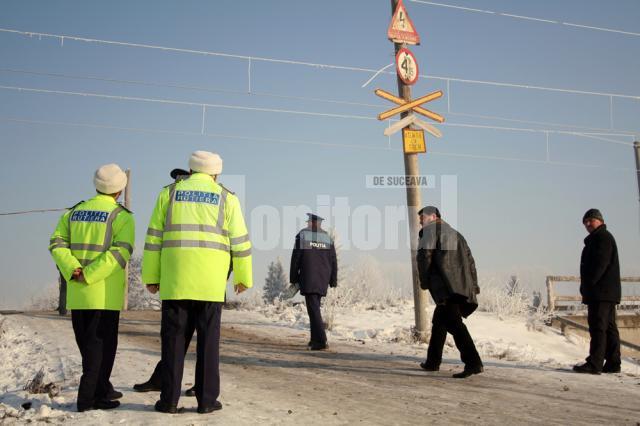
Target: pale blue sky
[(519, 216)]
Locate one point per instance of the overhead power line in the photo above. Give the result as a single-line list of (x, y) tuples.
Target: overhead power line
[(62, 37), (601, 131), (204, 106), (31, 211), (225, 137), (528, 18)]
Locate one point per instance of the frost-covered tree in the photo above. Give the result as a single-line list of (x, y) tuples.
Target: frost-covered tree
[(275, 283), (139, 297), (338, 246), (513, 286)]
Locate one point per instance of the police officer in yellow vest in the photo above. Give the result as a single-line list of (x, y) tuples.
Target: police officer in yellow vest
[(195, 229), (91, 247)]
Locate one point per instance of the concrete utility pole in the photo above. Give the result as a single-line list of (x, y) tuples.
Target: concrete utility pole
[(414, 204), (127, 204)]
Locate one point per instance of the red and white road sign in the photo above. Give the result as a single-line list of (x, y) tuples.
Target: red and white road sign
[(407, 66), (401, 28)]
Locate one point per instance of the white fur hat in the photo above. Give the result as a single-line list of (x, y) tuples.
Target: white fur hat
[(110, 179), (206, 162)]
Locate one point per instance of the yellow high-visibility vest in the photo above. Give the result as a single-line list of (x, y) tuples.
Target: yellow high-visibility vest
[(98, 236), (195, 229)]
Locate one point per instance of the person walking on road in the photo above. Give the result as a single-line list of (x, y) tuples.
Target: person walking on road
[(314, 268), (91, 247), (447, 269), (601, 291), (196, 228)]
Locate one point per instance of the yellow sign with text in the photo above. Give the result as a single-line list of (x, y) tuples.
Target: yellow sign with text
[(413, 141)]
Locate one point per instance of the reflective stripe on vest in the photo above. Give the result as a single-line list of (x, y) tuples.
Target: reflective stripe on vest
[(154, 232), (57, 242), (243, 253), (108, 235), (169, 226), (238, 240), (124, 245)]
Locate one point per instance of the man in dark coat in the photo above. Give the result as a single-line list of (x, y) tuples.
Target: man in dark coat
[(314, 267), (601, 290), (448, 271)]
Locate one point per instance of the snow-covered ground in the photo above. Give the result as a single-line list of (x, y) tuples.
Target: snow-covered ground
[(31, 342), (517, 339), (23, 352)]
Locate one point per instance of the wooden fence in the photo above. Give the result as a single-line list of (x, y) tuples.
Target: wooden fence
[(562, 302)]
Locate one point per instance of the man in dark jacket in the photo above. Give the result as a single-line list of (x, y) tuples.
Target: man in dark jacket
[(314, 267), (601, 290), (448, 271)]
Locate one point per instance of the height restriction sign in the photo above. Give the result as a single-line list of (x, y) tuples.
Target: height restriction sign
[(407, 66)]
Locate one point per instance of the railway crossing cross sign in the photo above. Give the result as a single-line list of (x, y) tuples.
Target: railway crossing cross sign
[(410, 105)]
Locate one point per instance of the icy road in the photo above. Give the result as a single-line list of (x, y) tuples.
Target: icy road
[(268, 377)]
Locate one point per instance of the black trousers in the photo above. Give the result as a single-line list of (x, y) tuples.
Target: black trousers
[(62, 296), (177, 315), (96, 333), (156, 377), (605, 339), (448, 319), (315, 318)]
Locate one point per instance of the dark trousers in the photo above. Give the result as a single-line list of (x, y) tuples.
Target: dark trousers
[(315, 318), (448, 319), (605, 339), (62, 296), (156, 377), (96, 333), (177, 317)]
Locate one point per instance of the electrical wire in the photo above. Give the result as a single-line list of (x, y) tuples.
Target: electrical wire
[(31, 211), (224, 137), (528, 18), (274, 110), (302, 63), (622, 133)]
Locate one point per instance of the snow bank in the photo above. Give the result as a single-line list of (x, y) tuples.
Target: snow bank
[(22, 353), (517, 339)]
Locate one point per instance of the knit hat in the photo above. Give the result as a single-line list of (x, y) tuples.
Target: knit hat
[(205, 162), (593, 214), (110, 179), (429, 210)]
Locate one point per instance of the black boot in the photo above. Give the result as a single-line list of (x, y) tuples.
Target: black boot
[(610, 368), (101, 404), (147, 386), (191, 391), (165, 407), (205, 410), (113, 395), (585, 368), (319, 346), (429, 367), (468, 371)]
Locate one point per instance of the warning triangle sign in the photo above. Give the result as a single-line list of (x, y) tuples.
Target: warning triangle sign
[(401, 28)]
